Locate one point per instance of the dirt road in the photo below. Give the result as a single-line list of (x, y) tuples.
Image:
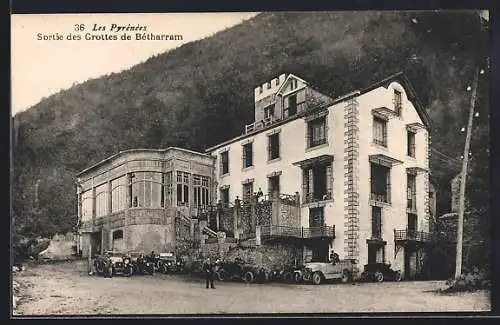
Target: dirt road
[(65, 289)]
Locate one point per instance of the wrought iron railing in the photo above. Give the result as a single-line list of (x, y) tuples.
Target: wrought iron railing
[(315, 197), (378, 197), (298, 232), (413, 235)]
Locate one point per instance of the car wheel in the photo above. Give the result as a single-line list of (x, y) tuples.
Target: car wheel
[(297, 277), (317, 278), (128, 271), (379, 277), (345, 276), (221, 275), (248, 277), (398, 276)]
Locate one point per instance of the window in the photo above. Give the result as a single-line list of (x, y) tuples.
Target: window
[(380, 183), (291, 104), (168, 189), (293, 84), (411, 143), (376, 222), (316, 132), (411, 192), (412, 223), (87, 204), (316, 217), (247, 155), (273, 148), (182, 188), (247, 191), (269, 111), (224, 196), (277, 81), (316, 184), (268, 85), (118, 234), (147, 189), (224, 162), (260, 90), (274, 185), (201, 190), (119, 194), (379, 131), (398, 102), (101, 200)]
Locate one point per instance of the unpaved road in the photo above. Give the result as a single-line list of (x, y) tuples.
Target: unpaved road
[(66, 289)]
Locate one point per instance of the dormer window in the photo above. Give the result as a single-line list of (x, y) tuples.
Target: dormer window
[(293, 84), (269, 85), (398, 102), (260, 90), (269, 111), (277, 81)]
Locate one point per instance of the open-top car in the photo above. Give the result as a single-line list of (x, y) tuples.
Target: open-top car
[(380, 272), (112, 263), (319, 272)]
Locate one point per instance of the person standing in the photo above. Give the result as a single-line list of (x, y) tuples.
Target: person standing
[(208, 269)]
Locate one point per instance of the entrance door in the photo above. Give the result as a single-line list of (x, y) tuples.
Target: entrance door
[(95, 242), (320, 251)]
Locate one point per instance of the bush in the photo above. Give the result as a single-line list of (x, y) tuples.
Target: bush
[(470, 280)]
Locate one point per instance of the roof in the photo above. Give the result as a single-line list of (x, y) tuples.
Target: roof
[(124, 152), (400, 77)]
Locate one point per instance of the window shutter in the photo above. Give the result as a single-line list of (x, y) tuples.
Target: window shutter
[(305, 184), (329, 179)]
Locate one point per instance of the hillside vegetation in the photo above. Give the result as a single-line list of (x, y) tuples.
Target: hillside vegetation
[(202, 93)]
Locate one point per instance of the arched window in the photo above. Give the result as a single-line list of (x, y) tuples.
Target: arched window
[(118, 234), (147, 189), (119, 187), (101, 200), (87, 205)]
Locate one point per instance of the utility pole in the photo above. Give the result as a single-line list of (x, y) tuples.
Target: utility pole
[(463, 175)]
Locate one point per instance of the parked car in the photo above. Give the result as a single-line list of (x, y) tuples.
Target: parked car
[(318, 272), (379, 272), (238, 270), (113, 263), (168, 263), (141, 263)]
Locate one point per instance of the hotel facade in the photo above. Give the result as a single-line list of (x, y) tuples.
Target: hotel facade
[(358, 164)]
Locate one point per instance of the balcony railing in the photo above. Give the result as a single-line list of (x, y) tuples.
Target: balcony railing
[(413, 235), (315, 197), (380, 197), (257, 125), (298, 232)]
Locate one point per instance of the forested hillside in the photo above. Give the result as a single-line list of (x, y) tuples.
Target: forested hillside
[(202, 93)]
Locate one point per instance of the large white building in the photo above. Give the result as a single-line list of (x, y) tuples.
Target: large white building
[(360, 162)]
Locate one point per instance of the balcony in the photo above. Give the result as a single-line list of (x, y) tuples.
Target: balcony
[(315, 197), (257, 125), (412, 236), (380, 197), (283, 232)]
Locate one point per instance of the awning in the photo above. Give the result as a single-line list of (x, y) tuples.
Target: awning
[(415, 127), (315, 160), (384, 160), (416, 170), (384, 112)]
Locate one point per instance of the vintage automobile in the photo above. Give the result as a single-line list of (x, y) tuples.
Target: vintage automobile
[(319, 272), (289, 274), (238, 270), (168, 263), (141, 263), (112, 263), (379, 272)]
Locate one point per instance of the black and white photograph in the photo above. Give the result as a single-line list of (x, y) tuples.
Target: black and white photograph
[(250, 163)]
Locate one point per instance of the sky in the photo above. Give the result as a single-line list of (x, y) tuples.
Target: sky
[(40, 68)]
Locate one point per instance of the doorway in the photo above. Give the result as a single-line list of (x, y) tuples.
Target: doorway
[(95, 243)]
